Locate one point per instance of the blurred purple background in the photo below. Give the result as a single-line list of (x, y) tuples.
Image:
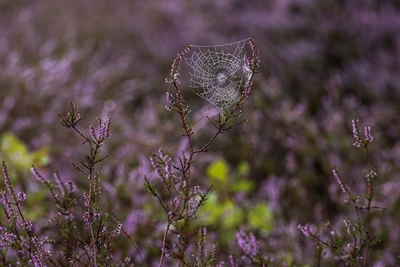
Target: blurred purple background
[(322, 63)]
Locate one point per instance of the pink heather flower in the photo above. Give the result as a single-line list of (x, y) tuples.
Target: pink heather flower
[(368, 136), (72, 187), (304, 229), (202, 243), (176, 67), (38, 260), (345, 188), (247, 88), (370, 174), (9, 212), (59, 183), (356, 133), (164, 166), (255, 63), (232, 261), (247, 62), (3, 198), (169, 97), (21, 196), (27, 226), (87, 214), (38, 176), (350, 228), (7, 182), (198, 191), (6, 238), (105, 129), (247, 71), (248, 243), (92, 132), (214, 252)]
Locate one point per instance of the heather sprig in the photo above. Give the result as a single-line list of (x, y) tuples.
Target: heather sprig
[(176, 67), (255, 61), (76, 247), (99, 247), (19, 233), (353, 246), (251, 251), (248, 243), (70, 119), (184, 199), (202, 259)]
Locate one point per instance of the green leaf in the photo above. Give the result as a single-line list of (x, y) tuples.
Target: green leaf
[(16, 153), (41, 157), (243, 169), (212, 211), (261, 217), (232, 215), (218, 172), (243, 186)]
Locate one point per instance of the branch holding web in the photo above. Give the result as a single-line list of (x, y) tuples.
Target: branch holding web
[(219, 73)]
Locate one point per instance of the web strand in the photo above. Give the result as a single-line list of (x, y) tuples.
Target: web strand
[(216, 74)]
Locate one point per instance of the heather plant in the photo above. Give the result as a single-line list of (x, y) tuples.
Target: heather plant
[(182, 198), (353, 243), (85, 229)]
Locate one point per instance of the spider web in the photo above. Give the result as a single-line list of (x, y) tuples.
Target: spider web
[(216, 75)]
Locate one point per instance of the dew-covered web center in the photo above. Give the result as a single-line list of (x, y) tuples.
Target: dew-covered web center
[(221, 78), (217, 72)]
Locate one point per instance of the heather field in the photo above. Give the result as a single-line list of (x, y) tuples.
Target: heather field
[(111, 158)]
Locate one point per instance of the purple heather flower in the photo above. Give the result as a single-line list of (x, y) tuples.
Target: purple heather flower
[(92, 132), (38, 260), (247, 88), (356, 133), (9, 212), (59, 183), (7, 182), (175, 68), (350, 228), (169, 97), (248, 244), (6, 238), (255, 64), (27, 225), (3, 198), (37, 175), (247, 71), (345, 188), (304, 229), (202, 243), (21, 196), (163, 166), (72, 187), (87, 214), (214, 252), (367, 132), (105, 129), (370, 174), (198, 191), (232, 261)]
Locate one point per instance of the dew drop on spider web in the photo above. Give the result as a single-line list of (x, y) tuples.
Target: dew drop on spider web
[(218, 72)]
